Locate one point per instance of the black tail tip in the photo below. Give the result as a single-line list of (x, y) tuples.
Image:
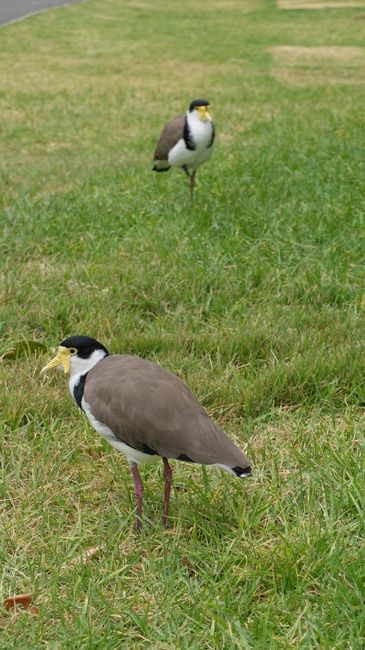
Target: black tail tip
[(242, 472)]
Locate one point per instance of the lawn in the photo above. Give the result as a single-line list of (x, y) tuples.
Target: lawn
[(255, 297)]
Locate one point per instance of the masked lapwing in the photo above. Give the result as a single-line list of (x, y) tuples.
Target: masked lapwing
[(186, 142), (145, 412)]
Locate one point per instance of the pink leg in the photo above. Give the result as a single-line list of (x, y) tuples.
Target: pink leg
[(138, 489), (167, 474), (192, 185)]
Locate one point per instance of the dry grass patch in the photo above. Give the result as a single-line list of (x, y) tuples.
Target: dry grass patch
[(316, 4), (323, 55), (243, 6), (304, 66)]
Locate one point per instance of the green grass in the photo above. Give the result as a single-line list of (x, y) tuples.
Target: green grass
[(255, 297)]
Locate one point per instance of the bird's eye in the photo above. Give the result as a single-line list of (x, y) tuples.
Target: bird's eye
[(73, 351)]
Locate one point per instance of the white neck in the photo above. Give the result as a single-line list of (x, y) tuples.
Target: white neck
[(194, 119), (79, 366), (201, 130)]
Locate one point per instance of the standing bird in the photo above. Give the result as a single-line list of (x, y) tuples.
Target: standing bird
[(145, 412), (186, 142)]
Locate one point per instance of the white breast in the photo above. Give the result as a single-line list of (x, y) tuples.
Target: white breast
[(202, 132)]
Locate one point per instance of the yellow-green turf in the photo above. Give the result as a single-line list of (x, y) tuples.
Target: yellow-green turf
[(255, 297)]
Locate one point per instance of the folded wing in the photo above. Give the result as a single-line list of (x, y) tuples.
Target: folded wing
[(148, 408)]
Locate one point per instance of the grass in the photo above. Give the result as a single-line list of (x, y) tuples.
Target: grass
[(255, 298)]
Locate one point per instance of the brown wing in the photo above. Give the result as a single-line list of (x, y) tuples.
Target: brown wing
[(152, 410), (170, 135)]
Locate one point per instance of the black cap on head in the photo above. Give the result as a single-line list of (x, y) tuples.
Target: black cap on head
[(84, 345), (198, 102)]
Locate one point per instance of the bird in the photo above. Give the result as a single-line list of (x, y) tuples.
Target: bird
[(145, 412), (186, 142)]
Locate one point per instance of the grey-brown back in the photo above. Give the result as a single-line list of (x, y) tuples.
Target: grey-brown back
[(151, 409), (170, 136)]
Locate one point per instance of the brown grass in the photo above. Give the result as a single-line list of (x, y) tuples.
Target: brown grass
[(319, 65), (314, 4)]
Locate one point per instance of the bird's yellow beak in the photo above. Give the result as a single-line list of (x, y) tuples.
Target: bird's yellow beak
[(62, 358), (204, 113)]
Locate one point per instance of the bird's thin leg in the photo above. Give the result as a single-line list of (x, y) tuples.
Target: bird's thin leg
[(192, 185), (185, 169), (138, 489), (167, 474)]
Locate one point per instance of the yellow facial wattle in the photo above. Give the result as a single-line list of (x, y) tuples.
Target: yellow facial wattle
[(62, 358), (204, 113)]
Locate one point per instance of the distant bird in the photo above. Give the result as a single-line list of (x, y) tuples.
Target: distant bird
[(186, 142), (145, 412)]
